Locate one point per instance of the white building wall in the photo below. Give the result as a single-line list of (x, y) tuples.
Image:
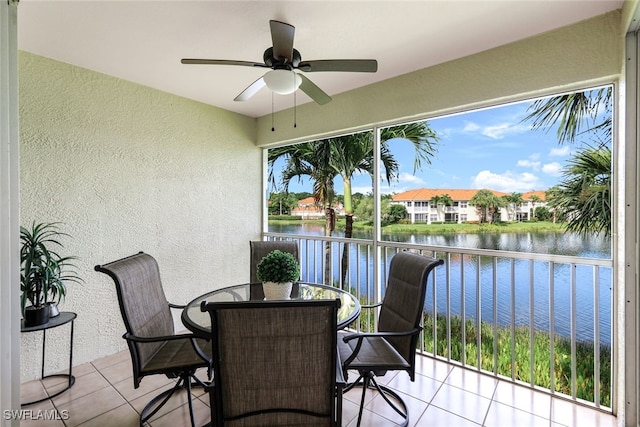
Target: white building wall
[(418, 211)]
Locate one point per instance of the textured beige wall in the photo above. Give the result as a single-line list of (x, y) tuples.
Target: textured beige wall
[(588, 52), (127, 168)]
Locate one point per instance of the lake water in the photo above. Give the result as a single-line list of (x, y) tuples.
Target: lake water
[(558, 243)]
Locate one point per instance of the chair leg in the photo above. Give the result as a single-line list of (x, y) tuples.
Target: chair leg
[(183, 382), (365, 386), (367, 380), (163, 397), (386, 391), (190, 400), (337, 421)]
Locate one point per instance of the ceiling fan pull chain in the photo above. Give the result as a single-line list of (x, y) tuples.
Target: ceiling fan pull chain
[(272, 126), (295, 111)]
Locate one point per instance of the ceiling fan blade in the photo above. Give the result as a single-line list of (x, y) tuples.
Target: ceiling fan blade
[(282, 38), (251, 90), (221, 62), (352, 65), (314, 92)]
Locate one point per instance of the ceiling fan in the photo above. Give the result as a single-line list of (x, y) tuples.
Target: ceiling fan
[(283, 59)]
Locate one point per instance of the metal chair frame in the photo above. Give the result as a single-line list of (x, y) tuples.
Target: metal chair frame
[(216, 390), (398, 346), (185, 374)]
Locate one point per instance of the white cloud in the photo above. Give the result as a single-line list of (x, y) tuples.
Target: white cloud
[(471, 127), (496, 131), (405, 181), (560, 152), (407, 178), (529, 164), (362, 189), (507, 182), (553, 169)]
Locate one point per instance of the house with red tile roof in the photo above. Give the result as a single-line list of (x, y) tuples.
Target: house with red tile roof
[(308, 209), (421, 208)]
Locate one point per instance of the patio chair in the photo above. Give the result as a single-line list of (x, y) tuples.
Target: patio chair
[(154, 346), (393, 346), (259, 249), (275, 363)]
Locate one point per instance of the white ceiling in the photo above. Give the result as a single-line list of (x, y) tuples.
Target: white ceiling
[(143, 41)]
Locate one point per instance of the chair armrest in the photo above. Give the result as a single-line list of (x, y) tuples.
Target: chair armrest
[(191, 337), (361, 336), (127, 336), (381, 334), (371, 305), (177, 306)]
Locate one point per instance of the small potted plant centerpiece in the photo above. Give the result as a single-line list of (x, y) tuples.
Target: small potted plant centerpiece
[(278, 270), (43, 272)]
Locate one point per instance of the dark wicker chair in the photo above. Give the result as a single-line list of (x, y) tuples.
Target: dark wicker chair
[(259, 249), (275, 363), (153, 344), (393, 347)]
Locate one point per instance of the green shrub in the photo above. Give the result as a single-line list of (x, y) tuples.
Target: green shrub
[(278, 267), (285, 218), (522, 355)]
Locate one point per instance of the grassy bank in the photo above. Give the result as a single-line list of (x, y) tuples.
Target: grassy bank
[(448, 228), (521, 365)]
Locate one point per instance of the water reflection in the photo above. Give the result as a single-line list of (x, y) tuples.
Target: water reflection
[(471, 278), (556, 243)]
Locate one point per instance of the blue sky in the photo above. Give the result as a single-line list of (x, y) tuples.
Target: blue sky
[(489, 148)]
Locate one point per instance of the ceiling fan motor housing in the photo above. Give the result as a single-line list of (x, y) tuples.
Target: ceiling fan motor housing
[(281, 63)]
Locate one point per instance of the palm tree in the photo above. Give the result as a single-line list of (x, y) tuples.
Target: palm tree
[(572, 112), (441, 200), (344, 156), (534, 199), (549, 195), (579, 114), (513, 201), (312, 161), (486, 204), (584, 193)]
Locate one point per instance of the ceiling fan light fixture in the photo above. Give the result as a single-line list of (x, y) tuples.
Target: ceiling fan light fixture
[(283, 82)]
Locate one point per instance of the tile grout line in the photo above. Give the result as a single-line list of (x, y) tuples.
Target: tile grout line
[(114, 389), (493, 395), (429, 402)]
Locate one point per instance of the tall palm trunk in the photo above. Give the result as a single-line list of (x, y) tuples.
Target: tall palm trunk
[(348, 233), (348, 230), (330, 224)]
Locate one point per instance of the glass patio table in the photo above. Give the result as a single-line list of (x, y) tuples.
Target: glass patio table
[(200, 323)]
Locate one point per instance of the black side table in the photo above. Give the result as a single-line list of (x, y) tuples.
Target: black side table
[(62, 319)]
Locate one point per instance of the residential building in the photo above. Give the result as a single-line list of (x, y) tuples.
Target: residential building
[(309, 209), (421, 206)]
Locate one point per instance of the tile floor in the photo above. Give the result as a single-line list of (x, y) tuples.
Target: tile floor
[(442, 395)]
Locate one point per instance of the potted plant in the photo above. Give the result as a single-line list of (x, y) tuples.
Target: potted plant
[(278, 270), (44, 273)]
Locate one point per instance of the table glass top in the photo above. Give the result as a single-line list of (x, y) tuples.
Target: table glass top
[(193, 318)]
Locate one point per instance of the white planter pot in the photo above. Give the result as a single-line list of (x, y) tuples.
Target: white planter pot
[(277, 291)]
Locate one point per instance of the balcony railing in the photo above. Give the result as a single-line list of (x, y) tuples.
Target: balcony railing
[(539, 320)]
